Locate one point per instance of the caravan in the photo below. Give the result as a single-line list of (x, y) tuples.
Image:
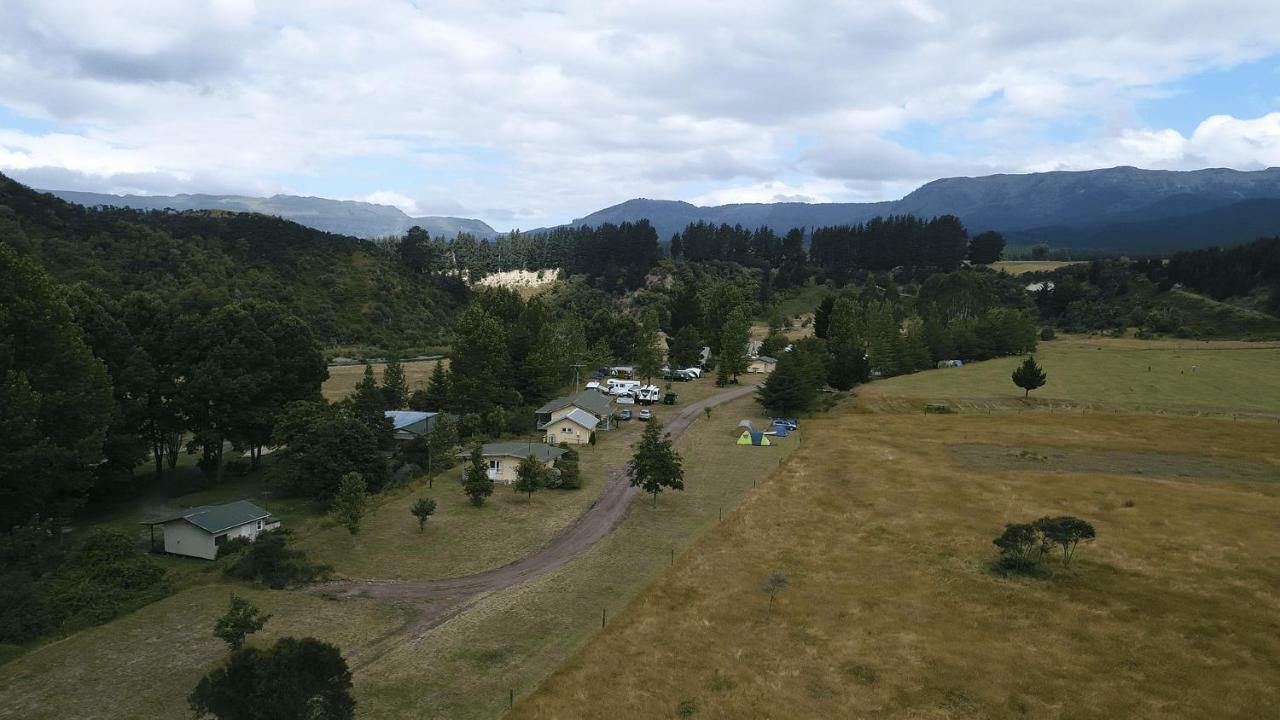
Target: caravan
[(622, 387), (647, 395)]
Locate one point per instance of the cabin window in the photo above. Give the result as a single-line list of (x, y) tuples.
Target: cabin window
[(495, 465), (259, 524)]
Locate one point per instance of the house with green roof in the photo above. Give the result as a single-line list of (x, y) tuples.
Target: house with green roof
[(200, 531), (589, 402), (503, 458)]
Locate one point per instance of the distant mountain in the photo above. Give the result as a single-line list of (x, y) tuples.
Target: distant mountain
[(1124, 208), (345, 217)]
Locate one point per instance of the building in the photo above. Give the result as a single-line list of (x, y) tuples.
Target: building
[(590, 401), (409, 424), (570, 425), (762, 364), (200, 531), (504, 458)]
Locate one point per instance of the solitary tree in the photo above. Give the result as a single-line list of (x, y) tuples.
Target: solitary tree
[(422, 509), (475, 478), (531, 476), (294, 678), (774, 583), (350, 502), (655, 464), (1029, 376), (395, 388), (241, 619), (1066, 532)]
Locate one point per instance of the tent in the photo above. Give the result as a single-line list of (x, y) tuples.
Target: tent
[(753, 437)]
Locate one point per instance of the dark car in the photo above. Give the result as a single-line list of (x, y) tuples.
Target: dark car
[(624, 415)]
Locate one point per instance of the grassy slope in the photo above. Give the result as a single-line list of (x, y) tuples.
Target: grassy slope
[(1230, 376), (893, 613)]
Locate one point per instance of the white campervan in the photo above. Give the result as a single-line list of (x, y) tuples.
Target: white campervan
[(618, 386)]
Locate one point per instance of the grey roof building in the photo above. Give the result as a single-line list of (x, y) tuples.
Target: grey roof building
[(199, 531)]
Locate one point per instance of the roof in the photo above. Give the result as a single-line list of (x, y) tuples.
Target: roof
[(401, 419), (216, 518), (542, 451), (583, 418), (589, 400)]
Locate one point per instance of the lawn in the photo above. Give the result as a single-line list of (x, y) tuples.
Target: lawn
[(143, 665), (1184, 375), (343, 378), (893, 611)]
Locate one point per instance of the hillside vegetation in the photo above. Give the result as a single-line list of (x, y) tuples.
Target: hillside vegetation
[(347, 291)]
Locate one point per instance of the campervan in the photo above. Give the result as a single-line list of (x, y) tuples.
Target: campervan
[(694, 372), (647, 395), (622, 387)]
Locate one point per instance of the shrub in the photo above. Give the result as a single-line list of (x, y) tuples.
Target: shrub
[(1022, 547), (270, 560), (105, 576), (1047, 333), (239, 467), (233, 546), (26, 612)]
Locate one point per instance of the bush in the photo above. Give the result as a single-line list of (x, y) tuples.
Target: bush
[(239, 467), (270, 560), (233, 546), (103, 577), (295, 678), (26, 612), (1047, 333)]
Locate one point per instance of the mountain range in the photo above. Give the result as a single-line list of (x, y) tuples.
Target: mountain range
[(345, 217), (1122, 209)]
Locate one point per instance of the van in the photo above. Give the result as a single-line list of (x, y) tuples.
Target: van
[(622, 387)]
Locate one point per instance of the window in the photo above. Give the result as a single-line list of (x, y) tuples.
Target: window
[(259, 524), (495, 465), (566, 429)]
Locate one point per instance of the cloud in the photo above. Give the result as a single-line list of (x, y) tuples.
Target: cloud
[(552, 110)]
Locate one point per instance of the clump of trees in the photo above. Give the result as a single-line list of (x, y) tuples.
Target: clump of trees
[(1023, 546)]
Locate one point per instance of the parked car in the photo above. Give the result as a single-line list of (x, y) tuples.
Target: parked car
[(788, 423), (645, 414), (624, 415), (693, 371)]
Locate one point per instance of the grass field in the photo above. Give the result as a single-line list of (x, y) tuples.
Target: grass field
[(893, 611), (1185, 375), (143, 665), (343, 378), (1019, 267)]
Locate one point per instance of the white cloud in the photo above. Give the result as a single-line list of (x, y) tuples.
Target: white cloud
[(557, 109), (390, 197)]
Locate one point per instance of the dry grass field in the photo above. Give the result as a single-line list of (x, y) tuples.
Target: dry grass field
[(894, 612), (1018, 267), (343, 378)]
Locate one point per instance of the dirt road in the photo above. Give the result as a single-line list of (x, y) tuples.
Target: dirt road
[(442, 599)]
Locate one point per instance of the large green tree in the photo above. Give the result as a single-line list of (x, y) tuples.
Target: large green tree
[(686, 347), (320, 444), (293, 680), (734, 336), (56, 404), (790, 388), (1029, 376), (846, 342), (478, 363), (655, 464)]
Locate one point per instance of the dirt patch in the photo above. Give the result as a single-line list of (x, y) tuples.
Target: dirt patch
[(1194, 467)]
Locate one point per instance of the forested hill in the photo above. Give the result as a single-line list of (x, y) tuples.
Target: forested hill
[(1121, 209), (349, 291), (347, 217)]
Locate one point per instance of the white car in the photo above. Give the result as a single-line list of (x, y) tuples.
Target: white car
[(695, 372), (645, 414)]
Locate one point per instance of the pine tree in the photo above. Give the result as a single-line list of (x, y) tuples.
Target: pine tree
[(475, 478), (733, 344), (436, 398), (1029, 376), (847, 345), (685, 348), (648, 360), (655, 465), (395, 389), (789, 389)]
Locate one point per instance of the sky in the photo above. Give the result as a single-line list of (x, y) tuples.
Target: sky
[(526, 114)]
